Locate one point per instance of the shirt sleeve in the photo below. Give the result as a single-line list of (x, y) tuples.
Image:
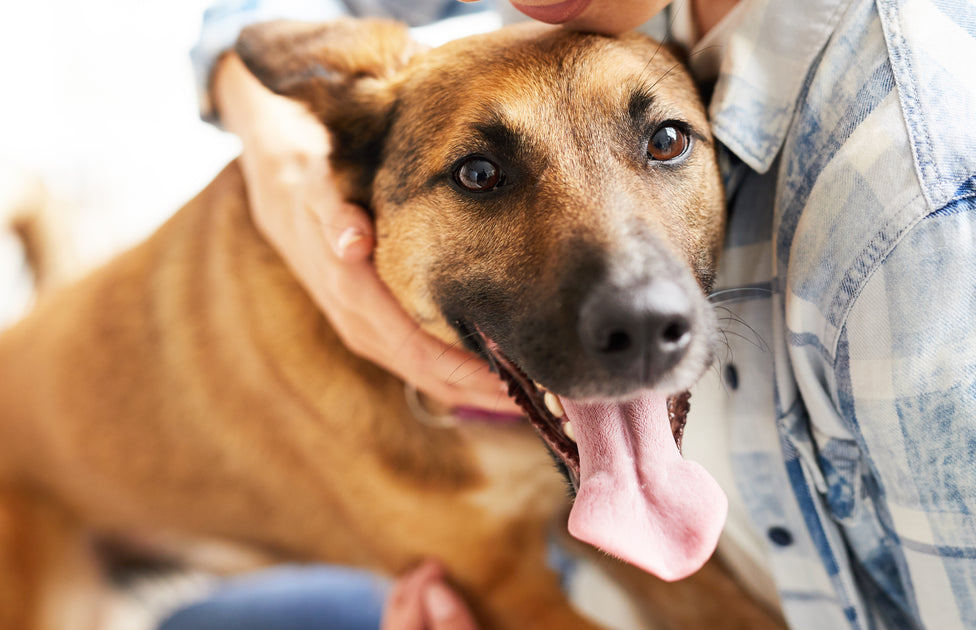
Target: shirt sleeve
[(905, 374), (223, 21)]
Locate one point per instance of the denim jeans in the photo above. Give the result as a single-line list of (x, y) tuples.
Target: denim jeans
[(316, 597)]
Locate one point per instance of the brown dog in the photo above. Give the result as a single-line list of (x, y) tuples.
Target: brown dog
[(549, 199)]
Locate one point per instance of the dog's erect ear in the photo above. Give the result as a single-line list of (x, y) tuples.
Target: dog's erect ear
[(345, 72)]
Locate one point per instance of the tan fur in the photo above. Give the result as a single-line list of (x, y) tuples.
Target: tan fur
[(190, 387)]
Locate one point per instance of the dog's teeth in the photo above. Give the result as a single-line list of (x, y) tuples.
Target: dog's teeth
[(568, 430), (553, 405)]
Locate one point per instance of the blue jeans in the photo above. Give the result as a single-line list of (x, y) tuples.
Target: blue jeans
[(315, 597)]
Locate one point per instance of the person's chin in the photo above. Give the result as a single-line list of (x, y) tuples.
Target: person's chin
[(554, 13), (594, 16)]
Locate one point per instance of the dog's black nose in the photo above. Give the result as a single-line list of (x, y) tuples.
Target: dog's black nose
[(639, 332)]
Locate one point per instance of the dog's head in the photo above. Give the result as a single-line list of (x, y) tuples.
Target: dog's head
[(552, 200)]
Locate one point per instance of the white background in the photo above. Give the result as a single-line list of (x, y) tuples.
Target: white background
[(98, 98)]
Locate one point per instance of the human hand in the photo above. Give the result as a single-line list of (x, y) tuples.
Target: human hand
[(328, 242), (421, 600), (599, 16)]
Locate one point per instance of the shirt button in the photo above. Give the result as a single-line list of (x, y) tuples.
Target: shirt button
[(780, 536), (731, 376)]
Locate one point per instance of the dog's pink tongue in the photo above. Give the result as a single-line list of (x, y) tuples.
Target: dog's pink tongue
[(638, 499)]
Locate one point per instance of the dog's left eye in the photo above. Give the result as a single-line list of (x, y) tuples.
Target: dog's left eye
[(667, 143), (478, 174)]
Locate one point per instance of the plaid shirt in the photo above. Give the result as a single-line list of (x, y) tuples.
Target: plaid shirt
[(851, 151), (849, 132)]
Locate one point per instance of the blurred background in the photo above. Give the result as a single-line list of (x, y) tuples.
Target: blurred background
[(99, 123), (98, 106)]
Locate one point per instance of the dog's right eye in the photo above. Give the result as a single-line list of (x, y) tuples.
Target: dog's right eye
[(668, 143), (478, 174)]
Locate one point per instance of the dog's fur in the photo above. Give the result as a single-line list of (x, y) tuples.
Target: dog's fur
[(190, 387)]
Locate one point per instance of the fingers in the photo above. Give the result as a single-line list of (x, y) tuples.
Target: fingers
[(421, 600), (445, 610), (372, 324), (457, 378), (405, 606), (350, 232), (379, 330)]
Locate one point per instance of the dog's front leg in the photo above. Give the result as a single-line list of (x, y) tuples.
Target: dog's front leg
[(48, 577)]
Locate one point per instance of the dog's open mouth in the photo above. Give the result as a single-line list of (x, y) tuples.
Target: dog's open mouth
[(636, 497), (542, 409), (546, 413)]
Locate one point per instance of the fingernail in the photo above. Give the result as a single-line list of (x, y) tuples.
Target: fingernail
[(441, 603), (348, 237)]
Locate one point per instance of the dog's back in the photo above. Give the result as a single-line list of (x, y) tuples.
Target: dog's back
[(191, 386)]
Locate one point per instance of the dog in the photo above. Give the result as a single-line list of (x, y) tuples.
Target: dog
[(550, 200)]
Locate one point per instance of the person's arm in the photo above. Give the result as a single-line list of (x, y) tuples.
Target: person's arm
[(223, 21), (905, 375)]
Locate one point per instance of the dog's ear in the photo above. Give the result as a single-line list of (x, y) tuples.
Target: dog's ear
[(345, 72)]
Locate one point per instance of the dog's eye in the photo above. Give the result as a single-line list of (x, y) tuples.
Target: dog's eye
[(667, 143), (478, 174)]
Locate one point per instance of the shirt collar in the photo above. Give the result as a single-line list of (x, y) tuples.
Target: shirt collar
[(767, 60)]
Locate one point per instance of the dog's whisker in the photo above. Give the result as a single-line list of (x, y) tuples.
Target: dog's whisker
[(756, 342), (450, 380), (417, 329), (701, 50), (735, 318), (481, 367), (732, 318), (651, 60), (458, 343), (728, 346), (739, 294), (682, 68), (662, 41), (665, 75)]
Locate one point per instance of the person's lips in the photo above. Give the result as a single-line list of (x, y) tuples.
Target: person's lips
[(554, 13)]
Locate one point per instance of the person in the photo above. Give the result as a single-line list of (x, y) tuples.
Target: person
[(846, 412)]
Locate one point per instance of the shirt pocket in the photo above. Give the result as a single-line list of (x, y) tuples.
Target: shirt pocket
[(842, 469), (833, 462)]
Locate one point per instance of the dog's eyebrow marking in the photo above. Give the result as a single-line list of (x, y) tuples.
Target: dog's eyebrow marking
[(491, 135), (641, 100), (500, 137), (643, 107)]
